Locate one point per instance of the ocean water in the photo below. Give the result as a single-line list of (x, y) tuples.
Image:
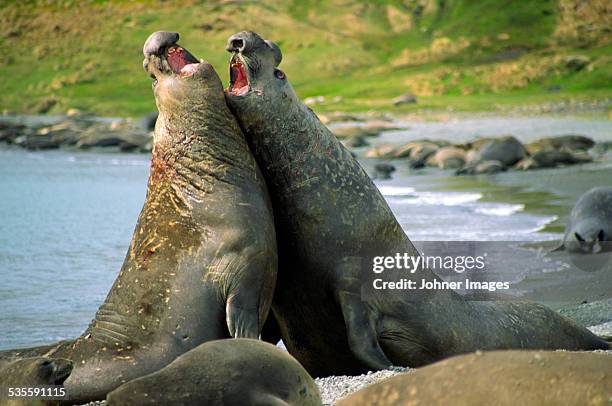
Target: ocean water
[(66, 220)]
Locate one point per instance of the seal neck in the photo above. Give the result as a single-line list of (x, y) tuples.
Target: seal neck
[(201, 145)]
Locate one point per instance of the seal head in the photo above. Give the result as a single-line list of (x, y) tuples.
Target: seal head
[(174, 70), (254, 66)]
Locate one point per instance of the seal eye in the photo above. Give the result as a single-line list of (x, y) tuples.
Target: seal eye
[(279, 74)]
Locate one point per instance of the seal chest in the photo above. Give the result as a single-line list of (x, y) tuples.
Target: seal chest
[(201, 265)]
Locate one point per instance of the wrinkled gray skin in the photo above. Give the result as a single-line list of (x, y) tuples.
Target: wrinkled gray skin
[(239, 372), (330, 221), (589, 229), (30, 372), (202, 262)]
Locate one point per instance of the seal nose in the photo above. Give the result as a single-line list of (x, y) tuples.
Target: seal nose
[(238, 42), (158, 42)]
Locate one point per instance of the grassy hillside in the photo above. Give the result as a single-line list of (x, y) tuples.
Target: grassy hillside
[(466, 54)]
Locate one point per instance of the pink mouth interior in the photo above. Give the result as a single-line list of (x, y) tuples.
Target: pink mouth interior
[(239, 81), (178, 62)]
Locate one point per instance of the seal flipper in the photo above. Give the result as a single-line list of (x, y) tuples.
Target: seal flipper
[(361, 332)]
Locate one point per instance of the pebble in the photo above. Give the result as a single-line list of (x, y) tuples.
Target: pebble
[(333, 388)]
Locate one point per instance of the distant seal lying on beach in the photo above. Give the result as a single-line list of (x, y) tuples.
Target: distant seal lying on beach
[(331, 221), (202, 262), (30, 372), (589, 229), (224, 372), (503, 378)]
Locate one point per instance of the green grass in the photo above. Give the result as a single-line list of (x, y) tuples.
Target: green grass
[(87, 55)]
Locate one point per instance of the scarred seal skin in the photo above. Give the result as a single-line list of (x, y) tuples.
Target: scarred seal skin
[(202, 262), (504, 378), (589, 229), (331, 221), (239, 372)]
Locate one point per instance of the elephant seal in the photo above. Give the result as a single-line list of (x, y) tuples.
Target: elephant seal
[(447, 158), (589, 229), (29, 372), (224, 372), (507, 150), (551, 158), (569, 143), (202, 262), (331, 223), (504, 378), (485, 167)]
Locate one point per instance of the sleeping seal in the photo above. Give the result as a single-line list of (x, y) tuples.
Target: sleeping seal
[(239, 372), (589, 229), (503, 378), (331, 221), (202, 262)]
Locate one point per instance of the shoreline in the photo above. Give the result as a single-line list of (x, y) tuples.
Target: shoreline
[(543, 193)]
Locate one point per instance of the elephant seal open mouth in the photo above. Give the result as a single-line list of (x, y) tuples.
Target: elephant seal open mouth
[(331, 221), (202, 262)]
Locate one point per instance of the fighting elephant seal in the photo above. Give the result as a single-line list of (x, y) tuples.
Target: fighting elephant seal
[(331, 221), (504, 378), (224, 372), (202, 262), (589, 229), (31, 372)]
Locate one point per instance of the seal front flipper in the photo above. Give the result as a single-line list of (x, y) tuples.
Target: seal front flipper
[(361, 331)]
